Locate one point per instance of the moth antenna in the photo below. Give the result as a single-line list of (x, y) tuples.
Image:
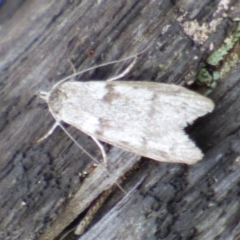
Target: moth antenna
[(97, 66), (92, 157), (126, 71)]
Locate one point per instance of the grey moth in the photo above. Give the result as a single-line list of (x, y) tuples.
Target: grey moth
[(146, 118)]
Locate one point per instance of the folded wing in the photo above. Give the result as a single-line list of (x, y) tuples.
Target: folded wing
[(141, 117)]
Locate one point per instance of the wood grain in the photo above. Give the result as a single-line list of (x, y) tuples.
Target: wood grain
[(41, 191)]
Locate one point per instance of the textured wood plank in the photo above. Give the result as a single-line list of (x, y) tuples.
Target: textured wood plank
[(41, 191)]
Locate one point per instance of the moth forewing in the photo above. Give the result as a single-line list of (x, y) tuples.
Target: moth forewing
[(146, 118)]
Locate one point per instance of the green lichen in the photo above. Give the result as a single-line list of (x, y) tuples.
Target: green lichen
[(216, 75), (218, 55), (222, 60), (204, 77)]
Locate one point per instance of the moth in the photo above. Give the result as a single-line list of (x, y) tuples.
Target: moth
[(146, 118)]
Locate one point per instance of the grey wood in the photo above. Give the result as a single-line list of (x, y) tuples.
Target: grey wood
[(41, 191)]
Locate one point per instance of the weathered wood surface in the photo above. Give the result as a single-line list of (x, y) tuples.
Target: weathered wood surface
[(41, 192)]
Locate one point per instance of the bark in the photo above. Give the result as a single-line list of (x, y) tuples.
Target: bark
[(43, 194)]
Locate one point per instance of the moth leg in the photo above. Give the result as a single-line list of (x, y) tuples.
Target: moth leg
[(104, 155), (51, 130), (127, 70), (72, 67)]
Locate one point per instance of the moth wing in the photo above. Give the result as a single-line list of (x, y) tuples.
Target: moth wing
[(141, 117), (170, 145), (166, 101)]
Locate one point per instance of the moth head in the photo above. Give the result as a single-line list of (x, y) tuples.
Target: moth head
[(51, 98)]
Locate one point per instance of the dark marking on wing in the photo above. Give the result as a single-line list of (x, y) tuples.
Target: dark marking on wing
[(111, 93)]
